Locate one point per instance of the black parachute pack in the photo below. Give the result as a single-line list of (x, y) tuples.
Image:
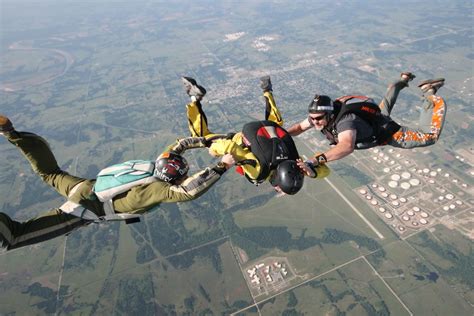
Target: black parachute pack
[(366, 109), (270, 143)]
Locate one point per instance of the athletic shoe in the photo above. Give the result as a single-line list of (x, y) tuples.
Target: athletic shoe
[(410, 76), (193, 89), (6, 125), (266, 83), (429, 84)]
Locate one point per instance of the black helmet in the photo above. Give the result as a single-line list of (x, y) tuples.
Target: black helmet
[(170, 167), (288, 177), (321, 103)]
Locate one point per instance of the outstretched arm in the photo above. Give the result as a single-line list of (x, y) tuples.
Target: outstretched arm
[(299, 128), (183, 144), (344, 147), (197, 184)]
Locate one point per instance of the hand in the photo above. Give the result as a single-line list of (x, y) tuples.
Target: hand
[(304, 167), (228, 160)]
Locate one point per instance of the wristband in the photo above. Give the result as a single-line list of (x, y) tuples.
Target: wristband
[(220, 168), (320, 159)]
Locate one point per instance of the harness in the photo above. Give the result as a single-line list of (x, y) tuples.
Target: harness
[(366, 109), (271, 144), (110, 182)]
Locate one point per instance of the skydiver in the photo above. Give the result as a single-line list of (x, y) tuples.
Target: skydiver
[(172, 184), (356, 122), (255, 148)]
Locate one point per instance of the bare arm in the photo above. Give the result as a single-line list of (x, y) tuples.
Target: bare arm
[(344, 147), (299, 128)]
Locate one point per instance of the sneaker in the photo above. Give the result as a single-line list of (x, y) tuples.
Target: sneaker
[(6, 125), (193, 89), (429, 84), (407, 76), (266, 83)]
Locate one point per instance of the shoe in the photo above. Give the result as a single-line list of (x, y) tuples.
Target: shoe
[(410, 76), (6, 125), (193, 89), (266, 83), (429, 84)]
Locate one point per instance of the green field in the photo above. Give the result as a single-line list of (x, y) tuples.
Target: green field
[(101, 82)]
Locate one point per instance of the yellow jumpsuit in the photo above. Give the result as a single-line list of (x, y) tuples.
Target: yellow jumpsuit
[(197, 123)]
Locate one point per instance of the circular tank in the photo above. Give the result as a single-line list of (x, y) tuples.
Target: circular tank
[(384, 194), (406, 175), (424, 214), (405, 185), (414, 182), (381, 209), (393, 184), (406, 217), (395, 203), (393, 196), (374, 202), (410, 213), (363, 191), (395, 177), (388, 215), (416, 208), (381, 189), (449, 196), (403, 200), (423, 221)]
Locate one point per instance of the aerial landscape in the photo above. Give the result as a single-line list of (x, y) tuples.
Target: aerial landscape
[(389, 232)]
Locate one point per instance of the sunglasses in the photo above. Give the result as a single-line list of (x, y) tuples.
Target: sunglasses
[(317, 118)]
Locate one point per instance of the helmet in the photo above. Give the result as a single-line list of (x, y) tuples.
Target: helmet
[(170, 167), (321, 103), (288, 177)]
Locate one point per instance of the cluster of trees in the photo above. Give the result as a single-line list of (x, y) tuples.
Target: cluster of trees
[(256, 240), (368, 307), (50, 303), (136, 295), (82, 251), (462, 268)]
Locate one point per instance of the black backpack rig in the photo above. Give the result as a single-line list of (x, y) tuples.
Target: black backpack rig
[(271, 144), (366, 109)]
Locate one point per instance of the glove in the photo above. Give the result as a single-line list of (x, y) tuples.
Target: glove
[(310, 169)]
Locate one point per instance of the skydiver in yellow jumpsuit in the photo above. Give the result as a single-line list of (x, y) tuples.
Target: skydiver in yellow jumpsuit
[(286, 177)]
